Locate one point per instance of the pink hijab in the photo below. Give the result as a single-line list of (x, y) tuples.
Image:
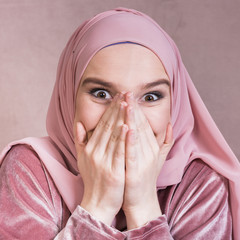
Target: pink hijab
[(195, 133)]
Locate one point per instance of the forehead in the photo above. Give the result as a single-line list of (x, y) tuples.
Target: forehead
[(125, 61)]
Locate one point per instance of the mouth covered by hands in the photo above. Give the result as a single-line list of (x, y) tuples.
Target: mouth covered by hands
[(120, 164)]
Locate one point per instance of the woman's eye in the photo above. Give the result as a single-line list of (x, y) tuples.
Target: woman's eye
[(103, 94), (151, 97)]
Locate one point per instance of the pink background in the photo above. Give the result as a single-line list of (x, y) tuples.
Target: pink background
[(33, 34)]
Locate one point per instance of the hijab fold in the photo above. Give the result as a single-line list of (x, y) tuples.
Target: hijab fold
[(195, 133)]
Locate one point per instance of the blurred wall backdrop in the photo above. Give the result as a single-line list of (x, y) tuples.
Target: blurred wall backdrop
[(34, 32)]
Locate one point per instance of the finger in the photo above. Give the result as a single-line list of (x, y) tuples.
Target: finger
[(169, 134), (119, 156), (168, 142), (80, 138), (145, 130), (138, 120), (143, 142), (146, 143), (112, 142), (104, 127), (131, 160), (130, 118), (132, 163), (131, 121), (143, 127), (80, 135), (129, 98)]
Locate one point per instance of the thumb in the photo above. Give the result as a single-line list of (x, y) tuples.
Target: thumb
[(80, 134), (169, 141), (169, 135)]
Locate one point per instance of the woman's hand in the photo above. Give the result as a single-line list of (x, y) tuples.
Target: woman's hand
[(101, 162), (144, 160)]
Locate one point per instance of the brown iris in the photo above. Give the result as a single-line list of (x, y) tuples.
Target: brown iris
[(101, 94), (149, 98)]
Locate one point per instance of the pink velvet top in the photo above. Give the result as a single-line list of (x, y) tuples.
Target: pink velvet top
[(32, 208)]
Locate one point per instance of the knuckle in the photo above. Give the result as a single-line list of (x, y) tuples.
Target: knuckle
[(87, 150), (101, 122), (131, 157), (116, 178), (93, 160), (119, 155), (95, 156), (114, 137), (137, 138), (107, 126), (121, 139)]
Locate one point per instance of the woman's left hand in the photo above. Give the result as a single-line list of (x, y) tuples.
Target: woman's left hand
[(144, 160)]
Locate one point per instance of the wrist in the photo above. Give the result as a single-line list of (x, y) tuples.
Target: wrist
[(141, 215), (104, 215)]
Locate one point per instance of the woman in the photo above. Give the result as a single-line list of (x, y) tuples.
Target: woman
[(124, 118)]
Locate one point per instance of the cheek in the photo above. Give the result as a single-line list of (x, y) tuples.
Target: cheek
[(89, 113), (158, 118)]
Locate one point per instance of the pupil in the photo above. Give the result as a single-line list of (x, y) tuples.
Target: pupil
[(149, 98), (102, 94)]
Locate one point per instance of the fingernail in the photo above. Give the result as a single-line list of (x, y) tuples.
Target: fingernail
[(123, 104)]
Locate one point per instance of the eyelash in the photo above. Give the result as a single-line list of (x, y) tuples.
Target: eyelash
[(158, 94), (94, 91)]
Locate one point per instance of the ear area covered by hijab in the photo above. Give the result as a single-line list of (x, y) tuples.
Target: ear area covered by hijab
[(195, 133)]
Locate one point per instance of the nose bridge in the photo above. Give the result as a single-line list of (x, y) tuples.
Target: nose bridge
[(129, 80), (127, 85)]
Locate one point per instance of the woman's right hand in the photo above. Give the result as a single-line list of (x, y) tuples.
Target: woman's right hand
[(101, 162)]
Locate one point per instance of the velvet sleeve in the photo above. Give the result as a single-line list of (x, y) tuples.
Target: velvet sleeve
[(32, 208), (197, 208)]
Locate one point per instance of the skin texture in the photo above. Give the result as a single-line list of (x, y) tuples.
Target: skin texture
[(122, 132)]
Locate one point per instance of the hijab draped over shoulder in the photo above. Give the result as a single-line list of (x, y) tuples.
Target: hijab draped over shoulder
[(195, 133)]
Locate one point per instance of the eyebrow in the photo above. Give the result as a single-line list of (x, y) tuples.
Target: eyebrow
[(110, 85), (157, 82), (97, 81)]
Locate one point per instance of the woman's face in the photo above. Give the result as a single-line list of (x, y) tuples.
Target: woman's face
[(124, 68)]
